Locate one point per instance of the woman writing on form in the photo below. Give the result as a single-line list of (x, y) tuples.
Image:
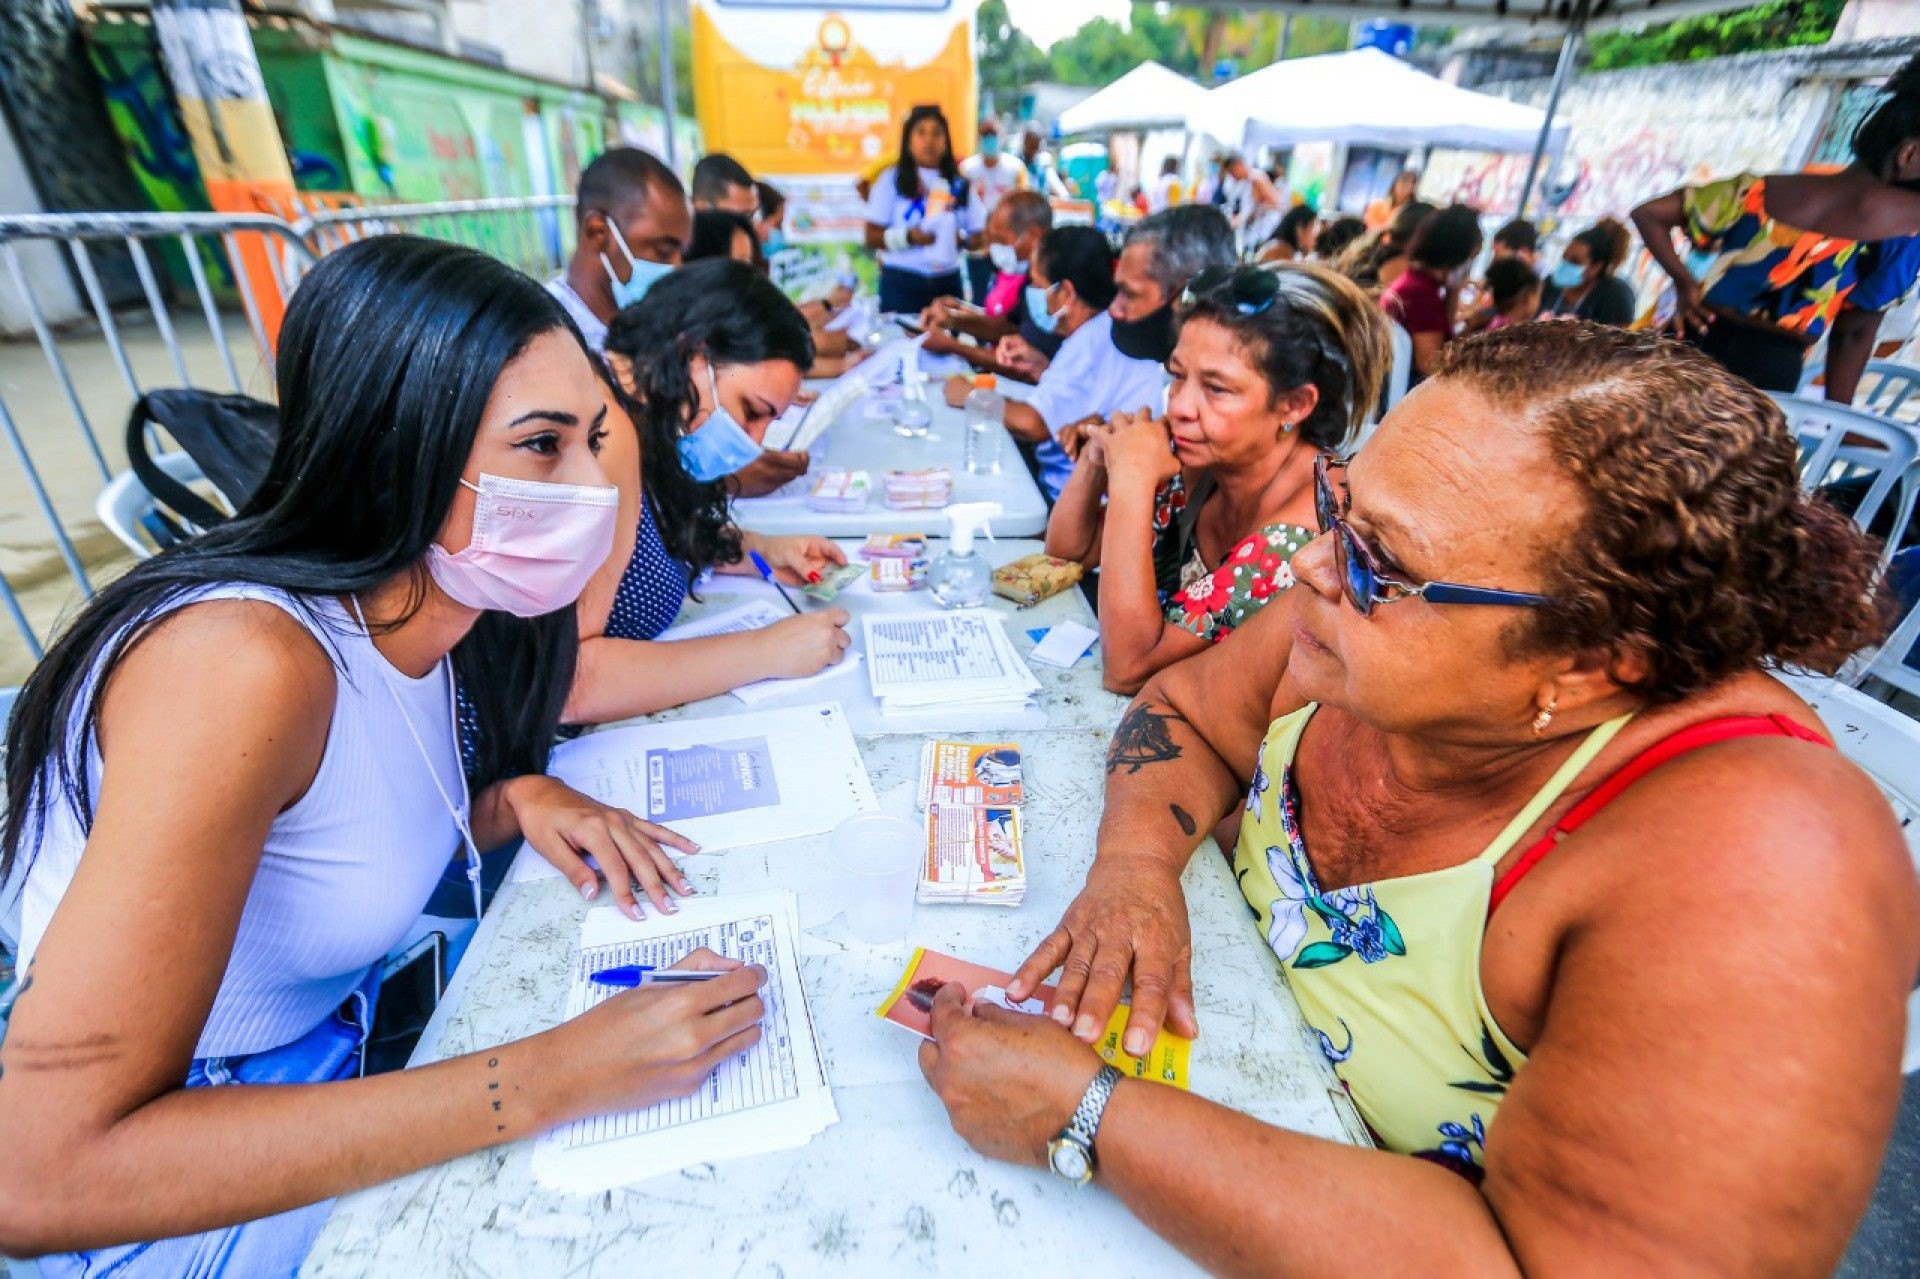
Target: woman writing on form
[(233, 784)]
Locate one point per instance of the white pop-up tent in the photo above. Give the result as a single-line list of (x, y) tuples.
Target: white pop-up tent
[(1148, 97), (1364, 98)]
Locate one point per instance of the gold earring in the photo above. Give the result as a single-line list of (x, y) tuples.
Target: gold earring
[(1545, 717)]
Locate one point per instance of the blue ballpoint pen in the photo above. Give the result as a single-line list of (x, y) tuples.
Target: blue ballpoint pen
[(647, 975), (767, 573)]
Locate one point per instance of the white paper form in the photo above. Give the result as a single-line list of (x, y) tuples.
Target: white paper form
[(752, 617), (724, 782), (923, 659), (773, 1096)]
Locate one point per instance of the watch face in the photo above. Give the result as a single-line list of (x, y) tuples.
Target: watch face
[(1069, 1159)]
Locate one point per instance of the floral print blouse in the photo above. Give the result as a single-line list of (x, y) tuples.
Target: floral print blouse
[(1210, 603)]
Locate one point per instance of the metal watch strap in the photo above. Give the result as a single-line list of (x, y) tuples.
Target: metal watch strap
[(1093, 1103)]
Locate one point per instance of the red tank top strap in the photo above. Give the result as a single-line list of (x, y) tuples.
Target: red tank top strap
[(1690, 738)]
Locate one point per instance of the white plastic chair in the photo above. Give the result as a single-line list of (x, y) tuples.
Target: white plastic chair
[(1885, 385), (124, 502), (1886, 745), (1837, 442), (1887, 665)]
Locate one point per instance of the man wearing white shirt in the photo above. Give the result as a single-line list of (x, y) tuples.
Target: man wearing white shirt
[(1069, 290), (992, 171)]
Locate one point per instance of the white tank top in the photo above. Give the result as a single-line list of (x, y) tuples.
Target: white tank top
[(345, 871)]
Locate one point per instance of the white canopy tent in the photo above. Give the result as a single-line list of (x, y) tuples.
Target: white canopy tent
[(1148, 97), (1570, 18), (1367, 98)]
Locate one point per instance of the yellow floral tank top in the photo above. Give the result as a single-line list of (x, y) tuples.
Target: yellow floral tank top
[(1388, 973)]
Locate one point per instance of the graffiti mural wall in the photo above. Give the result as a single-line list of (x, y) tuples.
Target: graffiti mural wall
[(1638, 133)]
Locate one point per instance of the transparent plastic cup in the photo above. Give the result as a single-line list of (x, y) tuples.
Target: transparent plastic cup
[(879, 861)]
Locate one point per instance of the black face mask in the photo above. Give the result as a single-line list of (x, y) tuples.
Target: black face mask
[(1149, 338)]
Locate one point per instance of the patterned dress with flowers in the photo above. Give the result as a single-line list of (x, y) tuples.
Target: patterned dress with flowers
[(1207, 602)]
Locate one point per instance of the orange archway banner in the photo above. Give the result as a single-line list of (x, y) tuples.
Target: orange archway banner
[(789, 89)]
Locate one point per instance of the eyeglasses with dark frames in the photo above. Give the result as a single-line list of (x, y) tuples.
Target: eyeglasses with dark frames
[(1359, 564)]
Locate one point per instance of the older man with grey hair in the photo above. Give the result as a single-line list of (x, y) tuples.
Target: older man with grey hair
[(1159, 256)]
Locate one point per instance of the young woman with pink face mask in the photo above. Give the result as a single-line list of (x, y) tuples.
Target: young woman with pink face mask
[(235, 781)]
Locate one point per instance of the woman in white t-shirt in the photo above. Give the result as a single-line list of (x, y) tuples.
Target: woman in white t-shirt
[(921, 215)]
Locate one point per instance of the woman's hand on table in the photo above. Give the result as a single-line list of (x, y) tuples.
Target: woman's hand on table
[(656, 1042), (566, 827), (806, 643), (1129, 921), (1138, 448), (1010, 1081), (798, 558)]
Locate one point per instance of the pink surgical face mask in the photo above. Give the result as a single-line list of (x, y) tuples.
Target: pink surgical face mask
[(535, 545)]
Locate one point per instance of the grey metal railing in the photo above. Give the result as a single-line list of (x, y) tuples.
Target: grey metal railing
[(188, 270)]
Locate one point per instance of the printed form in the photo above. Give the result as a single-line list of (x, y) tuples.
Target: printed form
[(773, 1096)]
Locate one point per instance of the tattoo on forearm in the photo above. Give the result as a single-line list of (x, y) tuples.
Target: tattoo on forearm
[(1142, 739), (1185, 819), (493, 1094)]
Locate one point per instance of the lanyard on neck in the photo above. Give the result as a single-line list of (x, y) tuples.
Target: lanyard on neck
[(433, 774)]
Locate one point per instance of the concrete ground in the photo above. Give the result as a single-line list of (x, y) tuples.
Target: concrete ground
[(66, 466)]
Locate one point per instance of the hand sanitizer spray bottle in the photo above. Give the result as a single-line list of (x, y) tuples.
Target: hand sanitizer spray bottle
[(960, 576)]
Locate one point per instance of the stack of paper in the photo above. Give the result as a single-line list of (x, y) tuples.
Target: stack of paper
[(960, 660), (926, 489), (971, 793), (724, 782), (839, 491), (773, 1096)]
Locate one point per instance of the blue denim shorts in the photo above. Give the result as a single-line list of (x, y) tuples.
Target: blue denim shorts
[(273, 1245)]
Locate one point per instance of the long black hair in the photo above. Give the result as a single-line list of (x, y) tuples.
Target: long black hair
[(1893, 121), (389, 351), (906, 174), (730, 313)]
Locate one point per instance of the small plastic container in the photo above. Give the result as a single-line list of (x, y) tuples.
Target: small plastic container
[(879, 861)]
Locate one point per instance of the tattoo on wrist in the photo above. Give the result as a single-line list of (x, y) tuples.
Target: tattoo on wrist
[(1187, 826), (1141, 739), (493, 1094)]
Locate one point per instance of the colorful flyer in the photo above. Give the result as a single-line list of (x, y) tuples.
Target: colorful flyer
[(974, 856), (717, 777), (983, 775), (910, 1004)]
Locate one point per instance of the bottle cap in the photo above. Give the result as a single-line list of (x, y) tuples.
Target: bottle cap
[(984, 381)]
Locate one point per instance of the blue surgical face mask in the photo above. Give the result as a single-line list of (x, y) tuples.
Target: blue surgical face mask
[(1005, 259), (990, 146), (1569, 275), (720, 446), (641, 274), (776, 242), (1043, 319)]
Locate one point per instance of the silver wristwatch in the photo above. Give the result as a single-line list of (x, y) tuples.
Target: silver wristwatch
[(1071, 1153)]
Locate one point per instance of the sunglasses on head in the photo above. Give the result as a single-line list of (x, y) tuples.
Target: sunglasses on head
[(1251, 289), (1359, 565)]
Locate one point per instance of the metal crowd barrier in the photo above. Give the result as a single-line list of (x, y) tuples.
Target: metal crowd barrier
[(187, 269)]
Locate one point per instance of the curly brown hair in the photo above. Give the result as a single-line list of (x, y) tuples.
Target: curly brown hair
[(1698, 548)]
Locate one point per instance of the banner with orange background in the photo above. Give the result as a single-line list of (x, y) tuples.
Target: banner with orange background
[(807, 90)]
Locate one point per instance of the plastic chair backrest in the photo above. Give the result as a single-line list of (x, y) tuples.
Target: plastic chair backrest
[(1889, 664), (1886, 746), (1833, 436), (1889, 384), (124, 504)]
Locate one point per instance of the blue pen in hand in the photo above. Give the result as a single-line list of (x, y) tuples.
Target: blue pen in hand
[(647, 975), (767, 573)]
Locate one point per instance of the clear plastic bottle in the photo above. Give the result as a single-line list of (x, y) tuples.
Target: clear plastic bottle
[(960, 576), (912, 414), (986, 419)]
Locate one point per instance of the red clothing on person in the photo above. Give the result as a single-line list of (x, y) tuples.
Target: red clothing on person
[(1418, 301)]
